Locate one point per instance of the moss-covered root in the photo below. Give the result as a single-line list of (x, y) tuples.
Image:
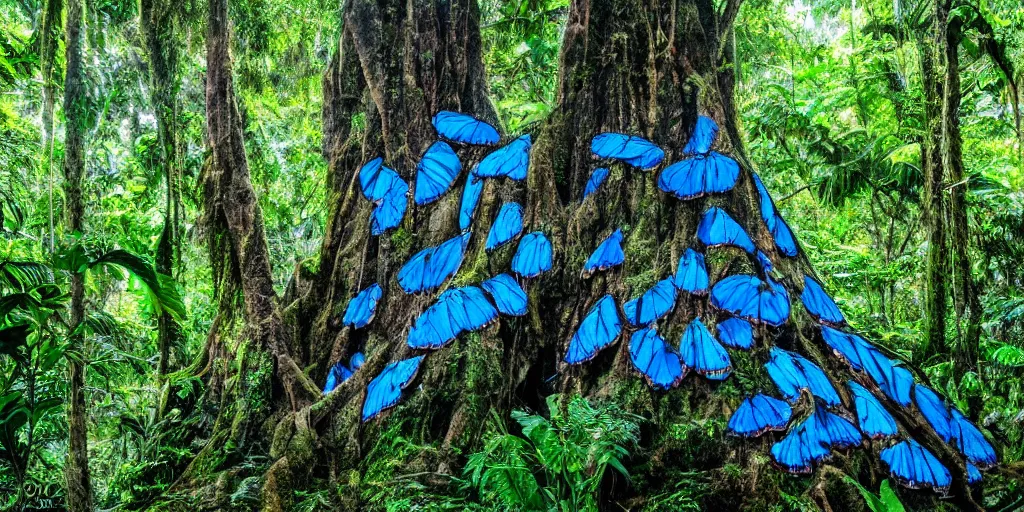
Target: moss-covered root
[(292, 450)]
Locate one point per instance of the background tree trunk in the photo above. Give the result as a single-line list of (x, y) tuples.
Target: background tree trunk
[(50, 34), (76, 112), (158, 22)]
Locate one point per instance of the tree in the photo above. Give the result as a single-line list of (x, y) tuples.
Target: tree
[(50, 32), (626, 67), (76, 112)]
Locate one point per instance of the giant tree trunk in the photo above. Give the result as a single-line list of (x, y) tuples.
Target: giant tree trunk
[(646, 68), (965, 295), (76, 470), (158, 20)]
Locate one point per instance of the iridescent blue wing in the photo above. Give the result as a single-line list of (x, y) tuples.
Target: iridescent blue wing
[(651, 305), (817, 381), (749, 297), (436, 326), (873, 419), (339, 373), (600, 328), (375, 179), (436, 172), (970, 441), (914, 466), (362, 307), (800, 450), (385, 390), (702, 353), (934, 409), (698, 176), (784, 239), (511, 161), (507, 225), (862, 356), (635, 151), (356, 361), (596, 179), (607, 255), (736, 333), (470, 199), (533, 256), (470, 309), (973, 475), (389, 210), (428, 269), (691, 274), (655, 359), (703, 137), (843, 345), (901, 382), (764, 262), (507, 294), (835, 430), (718, 228), (759, 414), (464, 128), (819, 304)]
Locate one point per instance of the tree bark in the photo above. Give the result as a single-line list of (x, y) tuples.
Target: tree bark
[(932, 203), (76, 469), (965, 295), (50, 31), (158, 22)]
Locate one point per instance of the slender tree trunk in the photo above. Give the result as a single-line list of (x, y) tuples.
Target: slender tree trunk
[(932, 204), (76, 111), (965, 295), (157, 20), (50, 33)]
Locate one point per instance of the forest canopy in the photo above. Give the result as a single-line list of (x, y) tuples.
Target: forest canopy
[(511, 255)]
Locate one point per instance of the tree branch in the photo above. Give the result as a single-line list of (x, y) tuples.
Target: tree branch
[(725, 21)]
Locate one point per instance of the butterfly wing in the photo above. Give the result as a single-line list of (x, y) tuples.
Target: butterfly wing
[(464, 128), (718, 228), (705, 132), (702, 353), (655, 359), (363, 306), (607, 255), (633, 150), (511, 161), (385, 390), (600, 328), (533, 256), (596, 179), (507, 225), (736, 333), (652, 304), (470, 199), (691, 274), (819, 304), (507, 294), (873, 419), (436, 172)]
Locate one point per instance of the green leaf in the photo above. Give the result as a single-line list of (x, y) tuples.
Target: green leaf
[(889, 498)]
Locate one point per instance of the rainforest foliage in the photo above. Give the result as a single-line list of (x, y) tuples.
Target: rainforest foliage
[(180, 230)]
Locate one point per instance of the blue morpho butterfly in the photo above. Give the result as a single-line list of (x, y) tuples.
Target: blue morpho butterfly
[(970, 441), (651, 305), (819, 304), (533, 256), (800, 450), (835, 430), (783, 236), (934, 410), (749, 297), (702, 353), (600, 328), (874, 420), (792, 372), (973, 474), (456, 311), (607, 255), (375, 179), (428, 269), (596, 179), (705, 132), (470, 199), (436, 172), (691, 274), (759, 414), (700, 175), (389, 210), (511, 161), (507, 225), (736, 333), (340, 372), (385, 390), (633, 150), (507, 294), (655, 359), (361, 308), (464, 128), (862, 356), (914, 466), (718, 228)]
